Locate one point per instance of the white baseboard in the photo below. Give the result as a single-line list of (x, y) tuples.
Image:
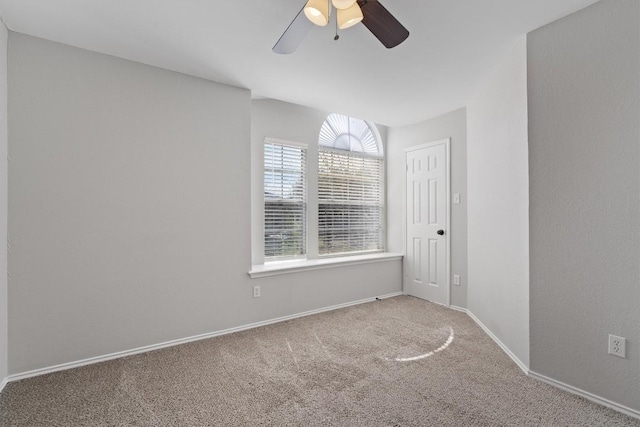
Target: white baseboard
[(504, 348), (589, 396), (62, 367), (566, 387), (125, 353)]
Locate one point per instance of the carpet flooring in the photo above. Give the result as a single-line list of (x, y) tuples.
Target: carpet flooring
[(396, 362)]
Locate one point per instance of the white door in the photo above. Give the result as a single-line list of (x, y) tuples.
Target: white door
[(426, 272)]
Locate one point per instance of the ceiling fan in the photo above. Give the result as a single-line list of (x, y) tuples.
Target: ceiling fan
[(373, 15)]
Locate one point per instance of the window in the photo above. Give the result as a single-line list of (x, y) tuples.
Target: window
[(327, 214), (285, 201), (350, 188)]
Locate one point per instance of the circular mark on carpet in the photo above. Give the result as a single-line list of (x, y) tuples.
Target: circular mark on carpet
[(431, 353)]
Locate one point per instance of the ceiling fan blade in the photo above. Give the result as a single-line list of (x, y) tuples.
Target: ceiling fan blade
[(294, 34), (382, 24)]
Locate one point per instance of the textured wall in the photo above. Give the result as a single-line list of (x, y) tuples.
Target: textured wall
[(3, 201), (498, 205), (125, 195), (451, 125), (129, 211), (584, 158)]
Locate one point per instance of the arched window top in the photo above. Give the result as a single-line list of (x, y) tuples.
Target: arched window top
[(350, 134)]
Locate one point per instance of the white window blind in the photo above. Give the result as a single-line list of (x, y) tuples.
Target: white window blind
[(351, 202), (285, 201)]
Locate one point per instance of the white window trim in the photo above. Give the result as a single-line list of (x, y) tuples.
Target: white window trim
[(303, 147), (257, 195), (260, 268), (296, 266)]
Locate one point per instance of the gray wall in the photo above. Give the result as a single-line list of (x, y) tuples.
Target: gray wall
[(584, 159), (129, 211), (498, 205), (451, 125), (3, 202)]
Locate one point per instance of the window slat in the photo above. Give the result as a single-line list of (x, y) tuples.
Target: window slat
[(350, 203), (285, 201)]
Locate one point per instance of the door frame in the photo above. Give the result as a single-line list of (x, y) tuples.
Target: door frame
[(447, 144)]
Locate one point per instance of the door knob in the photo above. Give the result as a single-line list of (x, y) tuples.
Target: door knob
[(440, 232)]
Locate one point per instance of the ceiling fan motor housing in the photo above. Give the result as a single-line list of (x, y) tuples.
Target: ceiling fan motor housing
[(343, 4)]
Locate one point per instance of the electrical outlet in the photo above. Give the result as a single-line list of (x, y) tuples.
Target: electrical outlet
[(456, 280), (617, 346), (256, 291)]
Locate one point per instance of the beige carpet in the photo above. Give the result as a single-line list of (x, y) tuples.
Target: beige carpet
[(397, 362)]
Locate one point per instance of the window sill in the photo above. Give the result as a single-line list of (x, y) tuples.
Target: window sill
[(286, 267)]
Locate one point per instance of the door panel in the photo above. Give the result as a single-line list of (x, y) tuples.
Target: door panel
[(433, 262), (426, 258), (433, 201), (417, 250)]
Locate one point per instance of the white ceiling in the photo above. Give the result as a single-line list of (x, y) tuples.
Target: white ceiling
[(453, 47)]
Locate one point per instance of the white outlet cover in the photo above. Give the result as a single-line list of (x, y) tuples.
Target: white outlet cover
[(617, 346)]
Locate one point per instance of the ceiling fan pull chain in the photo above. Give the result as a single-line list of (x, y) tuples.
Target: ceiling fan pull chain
[(337, 35)]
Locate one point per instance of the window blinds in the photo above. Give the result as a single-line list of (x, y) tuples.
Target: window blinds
[(285, 208), (351, 203)]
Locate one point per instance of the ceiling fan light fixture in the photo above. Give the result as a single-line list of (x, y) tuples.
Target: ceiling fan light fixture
[(373, 15), (317, 11), (343, 4), (349, 17)]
